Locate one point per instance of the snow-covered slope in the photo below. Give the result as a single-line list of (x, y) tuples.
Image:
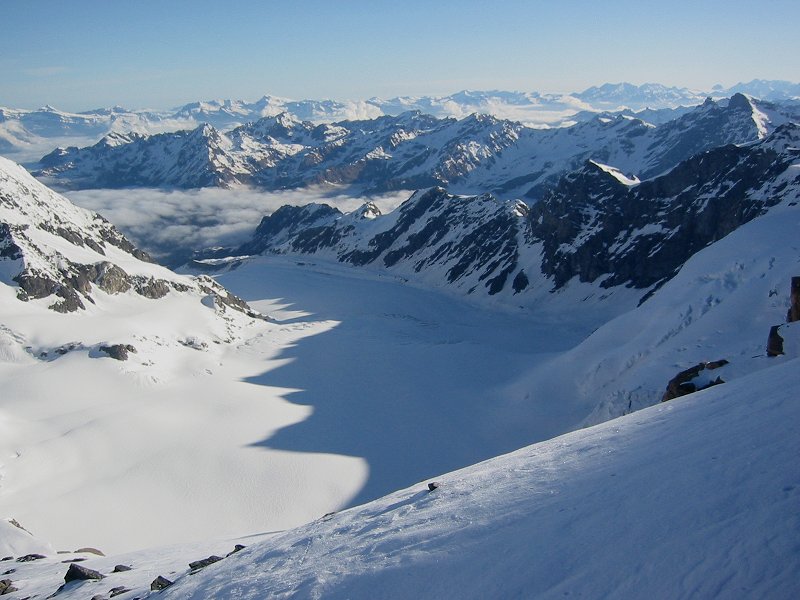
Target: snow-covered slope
[(170, 419), (475, 154), (693, 498), (365, 383)]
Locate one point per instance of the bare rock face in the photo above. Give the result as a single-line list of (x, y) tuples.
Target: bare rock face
[(151, 288), (109, 277), (594, 226), (794, 306), (31, 557)]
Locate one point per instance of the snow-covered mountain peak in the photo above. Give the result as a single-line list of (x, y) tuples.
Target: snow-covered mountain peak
[(279, 127), (368, 210), (614, 172), (205, 131), (116, 138)]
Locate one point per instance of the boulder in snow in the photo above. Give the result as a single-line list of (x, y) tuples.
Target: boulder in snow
[(80, 573), (159, 583), (118, 351)]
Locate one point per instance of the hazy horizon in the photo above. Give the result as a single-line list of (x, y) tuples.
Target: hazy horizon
[(82, 55)]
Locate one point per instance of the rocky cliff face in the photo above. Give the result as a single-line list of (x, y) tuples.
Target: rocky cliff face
[(595, 225), (470, 242)]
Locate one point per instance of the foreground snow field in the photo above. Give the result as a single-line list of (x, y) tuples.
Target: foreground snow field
[(694, 498)]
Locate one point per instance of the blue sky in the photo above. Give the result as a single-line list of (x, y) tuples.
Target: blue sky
[(81, 54)]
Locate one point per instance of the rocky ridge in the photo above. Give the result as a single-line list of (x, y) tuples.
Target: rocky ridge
[(596, 226), (53, 251)]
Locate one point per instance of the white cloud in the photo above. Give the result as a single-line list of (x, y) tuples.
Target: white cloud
[(171, 223)]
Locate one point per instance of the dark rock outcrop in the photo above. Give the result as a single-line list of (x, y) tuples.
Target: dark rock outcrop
[(595, 227), (89, 550), (118, 351), (80, 573), (160, 583), (471, 239), (121, 568), (236, 548), (774, 342), (794, 301), (200, 564), (31, 557), (6, 587), (682, 384)]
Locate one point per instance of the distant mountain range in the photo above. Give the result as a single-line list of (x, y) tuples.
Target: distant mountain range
[(28, 134), (476, 154)]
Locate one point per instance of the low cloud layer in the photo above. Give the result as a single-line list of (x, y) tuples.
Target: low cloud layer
[(171, 224)]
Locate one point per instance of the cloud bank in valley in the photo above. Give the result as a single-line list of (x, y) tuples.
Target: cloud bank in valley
[(170, 224)]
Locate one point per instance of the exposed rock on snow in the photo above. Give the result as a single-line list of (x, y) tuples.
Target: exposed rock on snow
[(118, 351), (52, 249), (121, 568), (201, 564), (80, 573), (6, 587), (683, 383), (593, 226), (31, 557), (160, 583)]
